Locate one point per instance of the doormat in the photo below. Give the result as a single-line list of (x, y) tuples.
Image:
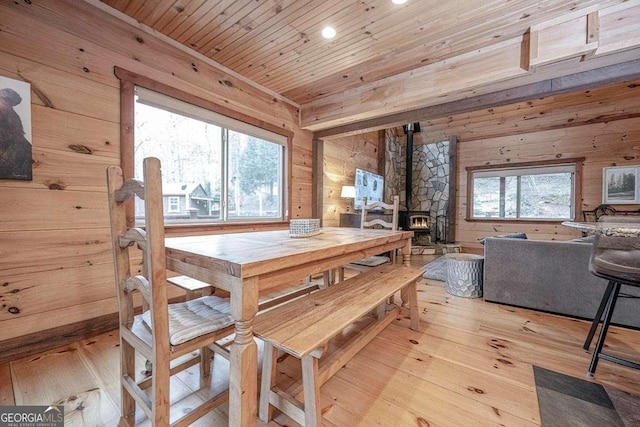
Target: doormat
[(567, 401)]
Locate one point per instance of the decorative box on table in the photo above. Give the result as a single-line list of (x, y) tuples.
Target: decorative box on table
[(304, 227)]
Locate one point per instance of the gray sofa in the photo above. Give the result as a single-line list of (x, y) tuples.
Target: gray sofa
[(551, 276)]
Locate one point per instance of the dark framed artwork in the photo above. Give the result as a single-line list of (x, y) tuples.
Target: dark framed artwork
[(620, 185), (15, 129)]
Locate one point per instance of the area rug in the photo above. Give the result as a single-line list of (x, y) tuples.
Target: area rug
[(567, 401), (436, 269)]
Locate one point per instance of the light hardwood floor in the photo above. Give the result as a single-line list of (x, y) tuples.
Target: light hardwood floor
[(472, 365)]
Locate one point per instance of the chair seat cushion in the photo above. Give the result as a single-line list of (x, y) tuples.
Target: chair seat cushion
[(191, 319), (373, 261)]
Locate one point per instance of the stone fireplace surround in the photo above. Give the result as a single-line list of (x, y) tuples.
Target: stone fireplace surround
[(430, 185)]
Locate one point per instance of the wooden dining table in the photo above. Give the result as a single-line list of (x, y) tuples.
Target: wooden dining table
[(246, 264)]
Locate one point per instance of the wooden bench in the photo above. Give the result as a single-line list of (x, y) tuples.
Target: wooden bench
[(303, 327)]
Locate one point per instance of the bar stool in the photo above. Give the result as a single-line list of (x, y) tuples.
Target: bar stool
[(617, 259)]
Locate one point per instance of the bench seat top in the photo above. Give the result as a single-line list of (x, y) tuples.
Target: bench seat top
[(303, 325)]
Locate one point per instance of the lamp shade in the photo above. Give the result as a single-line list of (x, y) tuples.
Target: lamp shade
[(348, 191)]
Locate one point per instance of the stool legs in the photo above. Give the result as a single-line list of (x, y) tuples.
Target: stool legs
[(608, 313), (598, 318)]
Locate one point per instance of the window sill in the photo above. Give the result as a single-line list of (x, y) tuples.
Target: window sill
[(519, 221)]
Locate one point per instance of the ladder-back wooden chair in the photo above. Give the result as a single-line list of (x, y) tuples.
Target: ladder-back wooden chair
[(164, 331), (367, 264)]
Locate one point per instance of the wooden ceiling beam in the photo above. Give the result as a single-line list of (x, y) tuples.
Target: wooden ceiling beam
[(574, 82)]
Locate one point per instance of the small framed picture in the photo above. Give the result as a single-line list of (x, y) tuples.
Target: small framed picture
[(620, 185)]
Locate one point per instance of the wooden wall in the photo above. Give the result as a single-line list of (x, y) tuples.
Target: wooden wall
[(341, 158), (602, 125), (56, 263)]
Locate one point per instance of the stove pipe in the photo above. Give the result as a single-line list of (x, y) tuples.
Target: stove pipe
[(409, 130)]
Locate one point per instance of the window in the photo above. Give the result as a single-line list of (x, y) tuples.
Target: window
[(220, 169), (529, 191), (174, 204)]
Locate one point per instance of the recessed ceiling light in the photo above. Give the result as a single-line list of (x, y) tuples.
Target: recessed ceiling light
[(399, 1), (328, 32)]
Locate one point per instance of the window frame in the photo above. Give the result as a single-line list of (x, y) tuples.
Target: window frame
[(128, 83), (576, 162)]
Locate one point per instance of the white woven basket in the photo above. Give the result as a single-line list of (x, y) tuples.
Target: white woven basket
[(304, 227)]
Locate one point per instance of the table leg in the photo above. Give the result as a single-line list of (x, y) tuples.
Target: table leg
[(406, 253), (243, 376)]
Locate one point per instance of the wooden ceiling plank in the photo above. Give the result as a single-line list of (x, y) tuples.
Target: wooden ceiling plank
[(218, 22), (345, 22), (253, 21), (262, 27), (117, 4), (133, 8), (379, 35), (289, 18), (244, 21), (181, 11), (176, 30), (200, 20), (310, 32), (233, 20), (285, 35), (152, 10)]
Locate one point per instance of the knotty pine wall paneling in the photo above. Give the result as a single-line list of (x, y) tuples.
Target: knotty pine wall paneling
[(602, 125), (56, 264), (342, 156)]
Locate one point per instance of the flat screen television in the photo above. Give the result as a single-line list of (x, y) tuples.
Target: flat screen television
[(369, 185)]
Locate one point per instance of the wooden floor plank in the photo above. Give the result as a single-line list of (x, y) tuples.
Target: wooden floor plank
[(60, 377), (486, 360), (480, 385), (6, 387)]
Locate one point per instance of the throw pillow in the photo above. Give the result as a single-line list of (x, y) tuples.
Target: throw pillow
[(586, 239), (508, 235)]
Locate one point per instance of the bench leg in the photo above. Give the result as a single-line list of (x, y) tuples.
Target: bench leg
[(382, 310), (310, 384), (206, 354), (269, 360), (410, 298)]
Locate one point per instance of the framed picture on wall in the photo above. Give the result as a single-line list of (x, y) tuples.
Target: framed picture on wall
[(620, 185), (15, 129)]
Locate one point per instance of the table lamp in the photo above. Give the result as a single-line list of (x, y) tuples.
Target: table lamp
[(348, 192)]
